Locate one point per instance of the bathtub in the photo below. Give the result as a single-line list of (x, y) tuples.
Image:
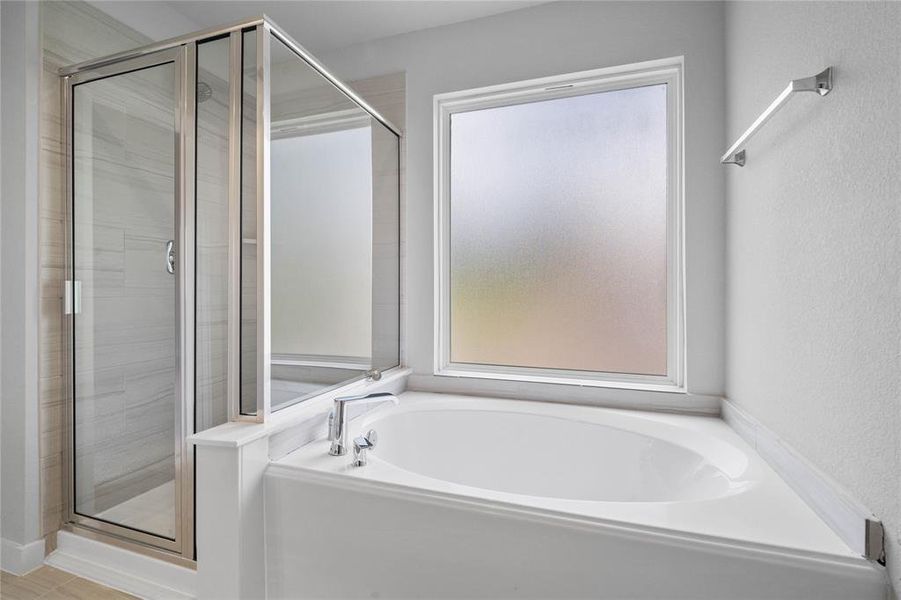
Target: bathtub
[(468, 497)]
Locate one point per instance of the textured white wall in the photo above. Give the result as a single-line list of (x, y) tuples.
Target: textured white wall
[(552, 39), (814, 258)]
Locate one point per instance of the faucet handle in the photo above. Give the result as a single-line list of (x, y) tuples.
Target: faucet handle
[(361, 445)]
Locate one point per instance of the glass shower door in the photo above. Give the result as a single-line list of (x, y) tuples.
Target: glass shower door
[(123, 299)]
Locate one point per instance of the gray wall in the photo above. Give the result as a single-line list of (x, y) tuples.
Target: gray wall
[(552, 39), (813, 254), (20, 66)]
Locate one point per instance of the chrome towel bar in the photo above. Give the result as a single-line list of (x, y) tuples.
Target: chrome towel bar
[(820, 83)]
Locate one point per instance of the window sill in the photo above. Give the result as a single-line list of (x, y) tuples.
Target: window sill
[(640, 383), (608, 394)]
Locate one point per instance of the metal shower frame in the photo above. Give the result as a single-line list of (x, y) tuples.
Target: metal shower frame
[(182, 52)]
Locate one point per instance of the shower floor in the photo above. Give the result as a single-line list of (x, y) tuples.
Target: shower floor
[(153, 511)]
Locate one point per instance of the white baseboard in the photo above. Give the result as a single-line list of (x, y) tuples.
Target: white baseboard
[(850, 519), (19, 559), (122, 569)]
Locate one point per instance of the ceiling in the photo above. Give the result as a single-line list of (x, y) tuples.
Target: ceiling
[(318, 25)]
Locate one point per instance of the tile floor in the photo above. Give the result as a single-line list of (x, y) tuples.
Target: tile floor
[(48, 583)]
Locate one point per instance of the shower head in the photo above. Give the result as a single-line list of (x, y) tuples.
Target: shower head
[(204, 92)]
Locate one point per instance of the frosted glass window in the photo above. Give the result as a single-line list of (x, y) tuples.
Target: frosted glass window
[(558, 233)]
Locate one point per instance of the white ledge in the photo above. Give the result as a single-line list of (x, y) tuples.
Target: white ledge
[(829, 499), (238, 433), (609, 397)]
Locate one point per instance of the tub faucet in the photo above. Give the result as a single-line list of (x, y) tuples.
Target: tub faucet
[(337, 423)]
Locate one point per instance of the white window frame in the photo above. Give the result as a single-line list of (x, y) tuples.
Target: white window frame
[(668, 71)]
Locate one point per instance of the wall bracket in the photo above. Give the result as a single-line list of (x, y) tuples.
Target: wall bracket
[(875, 541)]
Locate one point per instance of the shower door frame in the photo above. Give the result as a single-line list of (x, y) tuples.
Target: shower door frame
[(183, 57), (182, 51)]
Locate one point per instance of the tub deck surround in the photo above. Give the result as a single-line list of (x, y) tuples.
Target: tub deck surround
[(489, 497), (307, 415), (861, 530), (658, 472)]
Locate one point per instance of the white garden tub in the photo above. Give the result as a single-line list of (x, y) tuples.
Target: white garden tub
[(478, 497)]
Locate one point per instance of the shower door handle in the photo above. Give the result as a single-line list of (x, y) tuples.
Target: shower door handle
[(72, 297), (170, 257)]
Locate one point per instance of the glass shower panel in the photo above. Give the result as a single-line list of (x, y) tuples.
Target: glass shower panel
[(249, 224), (212, 236), (125, 347), (385, 247), (321, 168)]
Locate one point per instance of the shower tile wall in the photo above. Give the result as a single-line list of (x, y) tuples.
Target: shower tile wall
[(138, 432), (125, 344), (72, 32)]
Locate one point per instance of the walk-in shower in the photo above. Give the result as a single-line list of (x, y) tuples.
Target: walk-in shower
[(232, 249)]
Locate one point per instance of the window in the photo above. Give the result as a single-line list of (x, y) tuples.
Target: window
[(558, 229)]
